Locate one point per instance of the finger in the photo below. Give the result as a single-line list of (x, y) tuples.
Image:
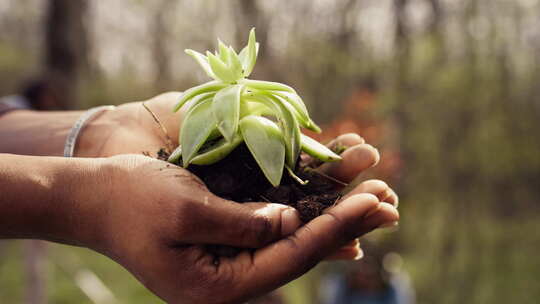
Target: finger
[(354, 160), (378, 188), (289, 258), (352, 243), (345, 140), (248, 225), (346, 253)]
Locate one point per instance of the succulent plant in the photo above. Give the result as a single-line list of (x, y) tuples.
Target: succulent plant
[(231, 109)]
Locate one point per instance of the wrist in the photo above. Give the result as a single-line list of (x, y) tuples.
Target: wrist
[(38, 133), (52, 198), (96, 133), (84, 187)]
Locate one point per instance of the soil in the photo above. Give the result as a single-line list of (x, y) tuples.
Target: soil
[(238, 177)]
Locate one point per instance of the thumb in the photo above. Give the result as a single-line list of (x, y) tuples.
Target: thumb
[(287, 259), (247, 225)]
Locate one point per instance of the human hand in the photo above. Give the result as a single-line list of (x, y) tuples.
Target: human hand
[(130, 128), (155, 219), (357, 157)]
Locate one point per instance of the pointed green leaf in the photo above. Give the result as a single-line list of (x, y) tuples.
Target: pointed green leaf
[(200, 98), (223, 52), (300, 110), (175, 155), (313, 127), (318, 150), (217, 151), (289, 125), (295, 101), (226, 109), (291, 132), (200, 89), (249, 54), (243, 55), (202, 61), (220, 69), (264, 140), (197, 126), (267, 85), (234, 64)]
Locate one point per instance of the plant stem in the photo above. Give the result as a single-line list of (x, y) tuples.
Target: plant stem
[(168, 140)]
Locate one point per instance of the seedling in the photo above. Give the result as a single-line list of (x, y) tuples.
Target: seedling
[(232, 109)]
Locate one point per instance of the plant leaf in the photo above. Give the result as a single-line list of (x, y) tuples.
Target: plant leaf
[(243, 57), (175, 155), (200, 89), (291, 131), (301, 112), (234, 64), (264, 140), (220, 68), (289, 125), (223, 52), (318, 150), (248, 107), (197, 126), (248, 55), (295, 101), (226, 109), (217, 151), (267, 85), (202, 61)]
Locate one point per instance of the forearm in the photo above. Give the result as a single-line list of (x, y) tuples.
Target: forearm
[(35, 133), (40, 198)]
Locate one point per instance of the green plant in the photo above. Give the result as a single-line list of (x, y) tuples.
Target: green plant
[(232, 109)]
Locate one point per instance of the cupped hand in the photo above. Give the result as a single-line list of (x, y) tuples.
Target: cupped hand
[(132, 129), (156, 218)]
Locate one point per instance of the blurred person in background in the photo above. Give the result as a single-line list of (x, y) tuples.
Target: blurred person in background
[(38, 94), (375, 279)]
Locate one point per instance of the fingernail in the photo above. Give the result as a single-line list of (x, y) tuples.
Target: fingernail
[(289, 221), (359, 255), (389, 225)]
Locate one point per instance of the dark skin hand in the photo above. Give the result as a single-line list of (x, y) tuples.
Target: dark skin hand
[(155, 218), (131, 128), (164, 247)]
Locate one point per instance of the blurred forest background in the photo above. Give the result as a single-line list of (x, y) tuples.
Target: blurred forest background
[(448, 90)]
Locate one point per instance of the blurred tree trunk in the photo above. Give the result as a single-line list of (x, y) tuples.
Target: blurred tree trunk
[(161, 34), (436, 32), (66, 47), (346, 13), (401, 85), (251, 15)]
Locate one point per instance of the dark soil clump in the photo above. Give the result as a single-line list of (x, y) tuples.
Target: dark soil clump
[(239, 178)]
